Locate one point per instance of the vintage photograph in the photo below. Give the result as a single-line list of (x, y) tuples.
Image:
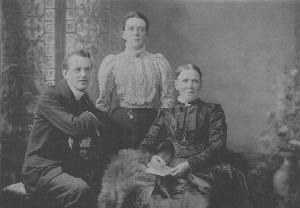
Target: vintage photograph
[(150, 104)]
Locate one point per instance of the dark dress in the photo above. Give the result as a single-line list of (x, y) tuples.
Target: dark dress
[(195, 133)]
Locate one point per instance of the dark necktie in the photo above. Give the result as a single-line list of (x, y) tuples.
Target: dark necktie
[(84, 101)]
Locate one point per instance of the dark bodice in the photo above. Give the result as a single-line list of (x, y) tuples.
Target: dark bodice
[(198, 131)]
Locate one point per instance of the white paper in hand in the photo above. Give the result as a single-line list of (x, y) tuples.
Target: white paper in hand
[(158, 169)]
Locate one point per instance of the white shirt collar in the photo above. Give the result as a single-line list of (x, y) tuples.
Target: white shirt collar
[(181, 100), (77, 93)]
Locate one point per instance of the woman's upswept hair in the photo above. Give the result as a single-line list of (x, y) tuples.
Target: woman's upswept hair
[(137, 15), (188, 67), (81, 53)]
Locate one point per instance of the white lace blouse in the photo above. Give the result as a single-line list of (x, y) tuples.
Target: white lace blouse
[(136, 76)]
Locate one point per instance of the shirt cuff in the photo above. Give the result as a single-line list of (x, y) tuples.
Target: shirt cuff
[(97, 131), (92, 115)]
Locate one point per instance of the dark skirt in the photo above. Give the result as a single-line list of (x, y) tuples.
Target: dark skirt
[(126, 184), (218, 186), (134, 123)]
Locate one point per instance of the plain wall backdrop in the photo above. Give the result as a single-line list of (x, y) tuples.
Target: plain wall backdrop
[(243, 48)]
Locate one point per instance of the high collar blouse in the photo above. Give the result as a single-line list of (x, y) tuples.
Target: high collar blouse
[(136, 76)]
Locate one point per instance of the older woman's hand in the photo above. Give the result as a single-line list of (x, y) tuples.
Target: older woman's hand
[(157, 160), (180, 169)]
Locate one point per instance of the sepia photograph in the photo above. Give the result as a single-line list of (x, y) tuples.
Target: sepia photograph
[(149, 104)]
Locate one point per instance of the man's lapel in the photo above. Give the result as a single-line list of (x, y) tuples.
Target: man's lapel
[(68, 96)]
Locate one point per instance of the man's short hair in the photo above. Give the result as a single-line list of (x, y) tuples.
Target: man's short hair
[(81, 53)]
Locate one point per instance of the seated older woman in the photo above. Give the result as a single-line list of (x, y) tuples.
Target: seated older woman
[(190, 138), (195, 134)]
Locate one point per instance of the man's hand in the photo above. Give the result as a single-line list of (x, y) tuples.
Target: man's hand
[(180, 169)]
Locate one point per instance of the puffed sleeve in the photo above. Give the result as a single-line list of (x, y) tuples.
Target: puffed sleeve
[(106, 84), (166, 86), (156, 133), (217, 134)]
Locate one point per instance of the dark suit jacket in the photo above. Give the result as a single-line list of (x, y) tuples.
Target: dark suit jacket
[(59, 116)]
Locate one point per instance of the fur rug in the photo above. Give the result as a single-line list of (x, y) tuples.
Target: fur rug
[(125, 183)]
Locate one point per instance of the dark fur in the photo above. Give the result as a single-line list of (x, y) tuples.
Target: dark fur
[(125, 183)]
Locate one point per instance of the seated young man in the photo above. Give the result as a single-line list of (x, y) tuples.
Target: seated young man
[(64, 115)]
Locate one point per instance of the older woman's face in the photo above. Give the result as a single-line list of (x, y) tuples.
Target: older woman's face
[(188, 84), (135, 32)]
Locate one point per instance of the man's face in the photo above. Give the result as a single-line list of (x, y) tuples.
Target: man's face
[(135, 32), (188, 84), (78, 72)]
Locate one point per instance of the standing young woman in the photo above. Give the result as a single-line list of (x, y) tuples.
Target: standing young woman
[(137, 76)]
